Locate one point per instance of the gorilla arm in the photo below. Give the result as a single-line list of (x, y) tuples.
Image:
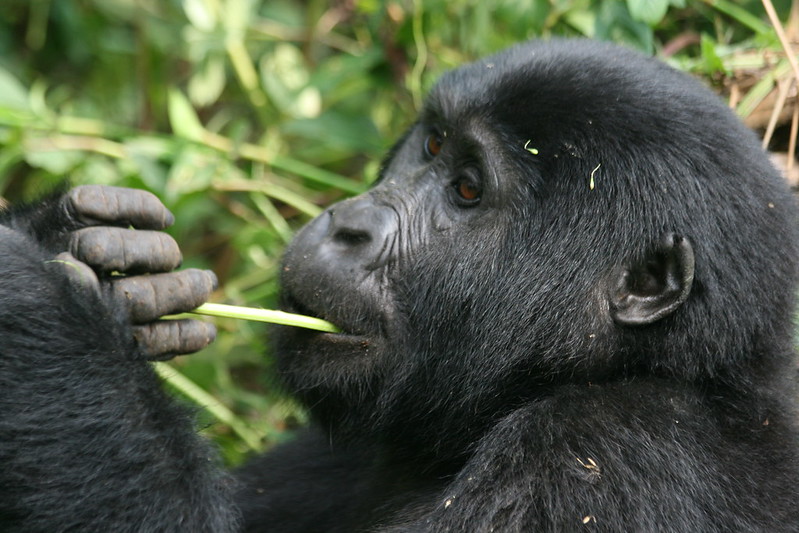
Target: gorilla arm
[(632, 456), (88, 440)]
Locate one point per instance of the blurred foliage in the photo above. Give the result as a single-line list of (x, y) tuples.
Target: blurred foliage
[(246, 116)]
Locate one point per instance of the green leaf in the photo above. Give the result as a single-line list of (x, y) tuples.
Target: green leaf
[(182, 118), (741, 15), (208, 82), (285, 77), (13, 94), (237, 14), (353, 133), (649, 11), (195, 168), (316, 174), (583, 21), (200, 14), (614, 23), (57, 162), (97, 170), (712, 61), (9, 156)]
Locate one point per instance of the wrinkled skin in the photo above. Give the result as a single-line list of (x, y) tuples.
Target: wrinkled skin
[(565, 305)]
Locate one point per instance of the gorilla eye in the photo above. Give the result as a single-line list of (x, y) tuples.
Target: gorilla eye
[(433, 144), (468, 192)]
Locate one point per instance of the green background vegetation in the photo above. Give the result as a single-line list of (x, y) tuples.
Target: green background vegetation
[(247, 116)]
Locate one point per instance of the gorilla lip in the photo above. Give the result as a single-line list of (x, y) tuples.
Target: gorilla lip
[(343, 327)]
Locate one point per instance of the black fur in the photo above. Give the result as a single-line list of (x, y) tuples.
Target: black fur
[(486, 379), (88, 440)]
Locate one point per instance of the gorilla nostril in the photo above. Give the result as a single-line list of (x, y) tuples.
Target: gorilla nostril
[(352, 237)]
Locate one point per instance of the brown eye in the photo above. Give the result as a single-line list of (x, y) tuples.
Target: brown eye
[(432, 145), (468, 191)]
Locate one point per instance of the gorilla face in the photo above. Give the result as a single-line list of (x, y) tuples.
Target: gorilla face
[(551, 217), (403, 266)]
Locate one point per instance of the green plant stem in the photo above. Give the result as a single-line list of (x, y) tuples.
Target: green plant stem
[(415, 81), (273, 191), (193, 391), (265, 315), (740, 14)]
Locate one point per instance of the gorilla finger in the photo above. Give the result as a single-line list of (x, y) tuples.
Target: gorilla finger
[(165, 339), (78, 273), (93, 204), (124, 250), (151, 297)]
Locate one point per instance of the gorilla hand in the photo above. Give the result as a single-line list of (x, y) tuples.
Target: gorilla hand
[(130, 268)]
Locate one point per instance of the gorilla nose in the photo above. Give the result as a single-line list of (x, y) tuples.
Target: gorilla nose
[(351, 237), (360, 222)]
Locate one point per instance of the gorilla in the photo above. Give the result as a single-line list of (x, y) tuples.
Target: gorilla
[(566, 304)]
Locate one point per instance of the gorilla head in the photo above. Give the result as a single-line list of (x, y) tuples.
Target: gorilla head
[(563, 212)]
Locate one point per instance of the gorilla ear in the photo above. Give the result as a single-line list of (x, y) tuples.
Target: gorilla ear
[(644, 293)]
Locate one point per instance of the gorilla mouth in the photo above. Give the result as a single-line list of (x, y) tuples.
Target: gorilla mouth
[(348, 327)]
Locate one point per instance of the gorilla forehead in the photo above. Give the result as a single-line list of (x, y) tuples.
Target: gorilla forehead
[(563, 77), (567, 94)]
